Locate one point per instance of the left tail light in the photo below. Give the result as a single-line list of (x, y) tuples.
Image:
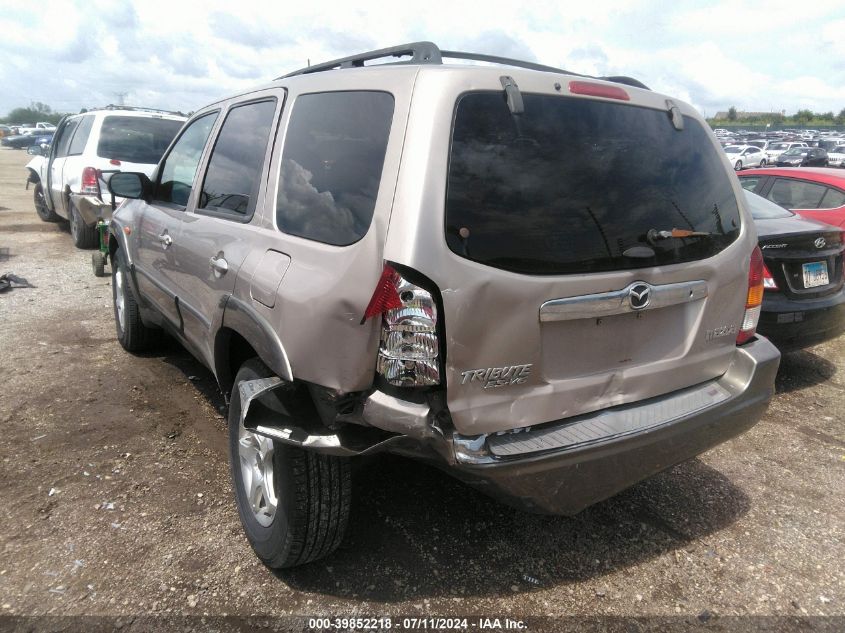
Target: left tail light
[(90, 181), (754, 298), (409, 350)]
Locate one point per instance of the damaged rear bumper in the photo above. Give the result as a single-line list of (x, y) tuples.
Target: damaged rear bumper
[(563, 468), (555, 468), (92, 208)]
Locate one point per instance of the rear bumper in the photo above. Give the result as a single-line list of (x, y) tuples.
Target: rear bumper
[(641, 440), (91, 208), (792, 324)]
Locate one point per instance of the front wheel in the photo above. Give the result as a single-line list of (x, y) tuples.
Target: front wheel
[(763, 163), (132, 334), (738, 166), (293, 503)]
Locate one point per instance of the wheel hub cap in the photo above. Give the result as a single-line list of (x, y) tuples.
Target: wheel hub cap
[(119, 299), (256, 457)]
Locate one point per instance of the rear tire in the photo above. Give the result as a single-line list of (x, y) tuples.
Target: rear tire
[(44, 212), (132, 334), (763, 163), (738, 166), (83, 236), (293, 504)]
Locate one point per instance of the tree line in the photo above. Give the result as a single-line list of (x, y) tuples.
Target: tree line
[(800, 118)]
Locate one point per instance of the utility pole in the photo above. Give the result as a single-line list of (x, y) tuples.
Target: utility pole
[(120, 96)]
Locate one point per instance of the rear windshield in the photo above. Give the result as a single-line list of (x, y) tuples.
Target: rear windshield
[(136, 139), (572, 184)]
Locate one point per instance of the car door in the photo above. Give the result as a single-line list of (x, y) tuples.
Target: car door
[(156, 264), (55, 167), (216, 230)]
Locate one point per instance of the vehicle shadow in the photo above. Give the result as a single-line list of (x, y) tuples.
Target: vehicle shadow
[(801, 369), (415, 532)]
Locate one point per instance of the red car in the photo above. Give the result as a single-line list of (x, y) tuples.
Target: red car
[(814, 192)]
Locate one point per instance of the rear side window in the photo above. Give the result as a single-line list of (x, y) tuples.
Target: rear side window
[(570, 185), (796, 194), (331, 165), (833, 198), (136, 139), (236, 164), (80, 137), (180, 166)]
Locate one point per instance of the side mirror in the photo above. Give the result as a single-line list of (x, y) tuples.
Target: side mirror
[(130, 184), (34, 150)]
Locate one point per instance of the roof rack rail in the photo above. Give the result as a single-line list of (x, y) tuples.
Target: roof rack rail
[(430, 53), (112, 106)]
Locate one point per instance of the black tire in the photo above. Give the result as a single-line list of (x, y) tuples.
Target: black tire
[(738, 166), (313, 494), (98, 263), (132, 334), (40, 200), (83, 236), (763, 163)]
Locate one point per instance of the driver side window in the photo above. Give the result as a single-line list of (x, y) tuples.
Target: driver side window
[(180, 167)]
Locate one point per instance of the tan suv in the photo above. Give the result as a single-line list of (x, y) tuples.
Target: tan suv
[(543, 282)]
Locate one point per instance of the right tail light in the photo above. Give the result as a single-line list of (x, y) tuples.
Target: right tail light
[(754, 298)]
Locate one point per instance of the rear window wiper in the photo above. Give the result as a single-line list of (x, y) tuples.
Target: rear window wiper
[(654, 235)]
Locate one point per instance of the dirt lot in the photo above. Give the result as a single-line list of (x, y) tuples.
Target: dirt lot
[(116, 500)]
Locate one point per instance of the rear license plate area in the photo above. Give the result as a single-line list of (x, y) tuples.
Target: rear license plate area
[(815, 274)]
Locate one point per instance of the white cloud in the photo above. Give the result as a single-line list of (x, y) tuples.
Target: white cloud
[(174, 54)]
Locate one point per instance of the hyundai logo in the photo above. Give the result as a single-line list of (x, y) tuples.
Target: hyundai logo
[(820, 242), (639, 295)]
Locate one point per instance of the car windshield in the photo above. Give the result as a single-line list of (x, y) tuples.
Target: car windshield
[(733, 149), (796, 151), (762, 209), (515, 201), (136, 139), (777, 146)]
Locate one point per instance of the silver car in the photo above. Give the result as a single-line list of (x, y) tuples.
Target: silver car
[(456, 263)]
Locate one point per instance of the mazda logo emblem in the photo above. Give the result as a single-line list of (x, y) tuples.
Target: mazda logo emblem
[(639, 295), (820, 243)]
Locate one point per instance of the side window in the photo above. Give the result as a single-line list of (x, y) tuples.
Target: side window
[(796, 194), (180, 166), (234, 170), (332, 163), (80, 137), (833, 198), (749, 184), (63, 143)]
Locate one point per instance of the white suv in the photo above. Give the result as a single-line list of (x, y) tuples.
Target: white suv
[(86, 149)]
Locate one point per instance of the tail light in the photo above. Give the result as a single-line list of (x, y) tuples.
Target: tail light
[(754, 299), (769, 282), (90, 181), (409, 351)]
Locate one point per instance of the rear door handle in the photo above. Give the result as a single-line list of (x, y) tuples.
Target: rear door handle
[(219, 265), (165, 240)]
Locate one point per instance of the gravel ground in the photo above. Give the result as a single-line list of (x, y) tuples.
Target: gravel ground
[(116, 499)]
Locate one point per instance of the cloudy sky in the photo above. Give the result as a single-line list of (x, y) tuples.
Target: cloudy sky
[(756, 55)]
